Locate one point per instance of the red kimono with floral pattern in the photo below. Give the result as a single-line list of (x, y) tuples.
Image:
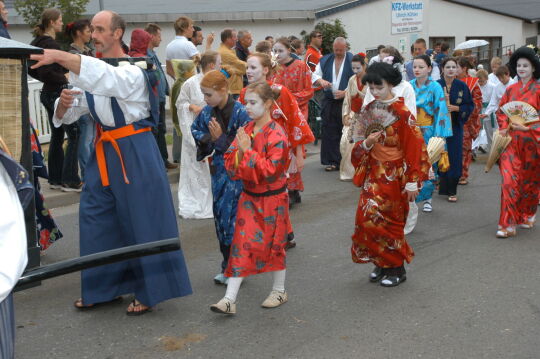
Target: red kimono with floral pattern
[(286, 113), (382, 173), (472, 127), (520, 162), (296, 77), (262, 222)]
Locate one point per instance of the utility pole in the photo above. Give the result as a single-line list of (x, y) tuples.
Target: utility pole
[(101, 7)]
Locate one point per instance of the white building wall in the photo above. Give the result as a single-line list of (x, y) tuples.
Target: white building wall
[(369, 25)]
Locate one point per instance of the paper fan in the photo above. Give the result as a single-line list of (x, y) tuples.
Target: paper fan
[(520, 112), (498, 146), (435, 148), (374, 118)]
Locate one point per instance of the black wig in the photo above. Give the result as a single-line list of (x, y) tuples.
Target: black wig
[(525, 53), (382, 71)]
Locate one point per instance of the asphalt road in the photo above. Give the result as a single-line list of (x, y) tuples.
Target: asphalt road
[(468, 294)]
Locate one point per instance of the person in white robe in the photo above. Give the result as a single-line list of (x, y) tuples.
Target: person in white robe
[(195, 187)]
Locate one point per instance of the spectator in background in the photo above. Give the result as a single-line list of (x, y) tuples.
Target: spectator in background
[(163, 91), (198, 38), (63, 171), (3, 20), (235, 67), (443, 53), (420, 48), (270, 39), (377, 58), (264, 47), (298, 48), (313, 56), (242, 49), (80, 34), (495, 63), (179, 49)]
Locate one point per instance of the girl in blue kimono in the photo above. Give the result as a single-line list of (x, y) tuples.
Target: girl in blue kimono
[(460, 105), (214, 130), (432, 115)]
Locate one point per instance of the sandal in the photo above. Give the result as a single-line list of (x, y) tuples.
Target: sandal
[(331, 168), (452, 199), (505, 233), (463, 182), (81, 306), (134, 304)]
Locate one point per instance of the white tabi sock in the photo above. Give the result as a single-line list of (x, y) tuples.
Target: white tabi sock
[(279, 281), (233, 286)]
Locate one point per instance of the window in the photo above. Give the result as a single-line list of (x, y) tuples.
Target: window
[(485, 53)]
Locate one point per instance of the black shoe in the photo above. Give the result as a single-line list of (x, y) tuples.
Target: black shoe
[(393, 280), (289, 245), (297, 197), (291, 200), (377, 274)]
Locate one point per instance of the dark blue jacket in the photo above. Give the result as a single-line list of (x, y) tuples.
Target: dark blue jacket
[(327, 63), (3, 30)]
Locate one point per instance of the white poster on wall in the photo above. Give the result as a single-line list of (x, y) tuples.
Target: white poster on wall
[(407, 16)]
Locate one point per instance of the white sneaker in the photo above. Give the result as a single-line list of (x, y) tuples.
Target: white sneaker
[(428, 208), (275, 299), (224, 306), (221, 279)]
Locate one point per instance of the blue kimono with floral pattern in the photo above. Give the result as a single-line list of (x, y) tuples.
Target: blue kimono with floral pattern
[(433, 119), (224, 190)]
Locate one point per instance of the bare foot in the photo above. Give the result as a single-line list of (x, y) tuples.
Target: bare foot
[(137, 308)]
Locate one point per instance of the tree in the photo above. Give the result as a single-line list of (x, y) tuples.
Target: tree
[(329, 31), (31, 10)]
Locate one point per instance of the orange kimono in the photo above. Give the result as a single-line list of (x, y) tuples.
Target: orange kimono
[(382, 173)]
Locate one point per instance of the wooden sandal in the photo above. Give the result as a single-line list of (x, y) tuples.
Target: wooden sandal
[(505, 233), (452, 199), (134, 304)]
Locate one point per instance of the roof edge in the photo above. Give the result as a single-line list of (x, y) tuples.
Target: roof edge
[(339, 7), (205, 17), (493, 11)]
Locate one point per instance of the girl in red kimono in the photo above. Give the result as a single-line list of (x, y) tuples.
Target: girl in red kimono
[(472, 127), (286, 113), (391, 163), (293, 74), (520, 161), (259, 156)]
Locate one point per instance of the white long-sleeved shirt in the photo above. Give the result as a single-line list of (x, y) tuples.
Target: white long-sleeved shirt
[(493, 79), (13, 256), (125, 83), (336, 77), (404, 89), (487, 91), (498, 93)]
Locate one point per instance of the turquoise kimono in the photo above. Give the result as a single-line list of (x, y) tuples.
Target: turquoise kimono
[(433, 119)]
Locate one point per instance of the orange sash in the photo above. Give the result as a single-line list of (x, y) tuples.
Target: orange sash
[(112, 136), (384, 153)]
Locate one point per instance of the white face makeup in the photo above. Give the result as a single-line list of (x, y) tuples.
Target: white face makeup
[(254, 105), (450, 69), (211, 96), (357, 68), (420, 69), (281, 52), (524, 68), (381, 92), (254, 70)]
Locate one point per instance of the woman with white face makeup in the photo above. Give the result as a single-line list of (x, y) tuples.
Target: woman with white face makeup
[(460, 105), (214, 129), (287, 114), (293, 74), (352, 104), (521, 159), (258, 157), (432, 118), (391, 163)]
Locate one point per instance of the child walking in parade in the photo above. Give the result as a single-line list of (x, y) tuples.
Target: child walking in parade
[(259, 157), (391, 163), (213, 130)]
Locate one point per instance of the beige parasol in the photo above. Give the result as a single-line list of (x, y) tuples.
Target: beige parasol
[(497, 148)]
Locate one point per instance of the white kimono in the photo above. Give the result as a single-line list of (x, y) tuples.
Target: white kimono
[(346, 169), (195, 187)]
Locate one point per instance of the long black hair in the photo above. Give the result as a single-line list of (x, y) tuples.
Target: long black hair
[(73, 27), (380, 71)]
